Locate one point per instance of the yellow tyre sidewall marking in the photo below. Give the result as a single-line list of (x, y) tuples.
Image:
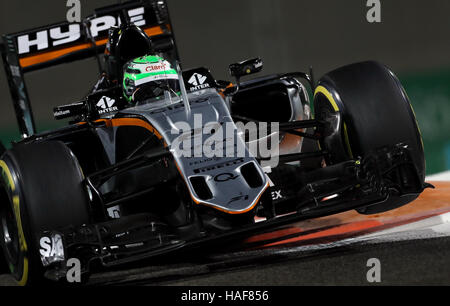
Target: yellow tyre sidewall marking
[(332, 101), (16, 207)]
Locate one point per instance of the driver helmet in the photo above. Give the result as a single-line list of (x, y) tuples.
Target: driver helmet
[(148, 77)]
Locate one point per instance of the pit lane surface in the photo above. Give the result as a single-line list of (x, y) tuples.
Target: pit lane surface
[(412, 244)]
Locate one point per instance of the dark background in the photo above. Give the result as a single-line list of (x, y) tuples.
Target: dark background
[(413, 39)]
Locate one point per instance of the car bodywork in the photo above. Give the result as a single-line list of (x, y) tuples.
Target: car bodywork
[(128, 155)]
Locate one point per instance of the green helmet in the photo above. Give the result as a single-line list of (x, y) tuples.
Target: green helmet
[(148, 77)]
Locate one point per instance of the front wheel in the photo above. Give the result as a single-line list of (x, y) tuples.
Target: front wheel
[(376, 113), (41, 191)]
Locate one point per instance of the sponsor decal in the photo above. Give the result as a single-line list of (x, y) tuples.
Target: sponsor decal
[(223, 177), (51, 249), (216, 166), (68, 33), (238, 198), (106, 105), (114, 212), (156, 67), (276, 195), (61, 113), (198, 82), (198, 162)]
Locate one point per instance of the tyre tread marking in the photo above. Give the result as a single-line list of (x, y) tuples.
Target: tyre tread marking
[(6, 173), (330, 98)]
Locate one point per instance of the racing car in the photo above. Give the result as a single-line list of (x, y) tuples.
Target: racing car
[(158, 159)]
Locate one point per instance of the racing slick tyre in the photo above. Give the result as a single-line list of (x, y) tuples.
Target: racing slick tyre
[(376, 112), (41, 190)]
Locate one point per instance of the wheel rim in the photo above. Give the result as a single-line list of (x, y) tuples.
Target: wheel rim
[(10, 235)]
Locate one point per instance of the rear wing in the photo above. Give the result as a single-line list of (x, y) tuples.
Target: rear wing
[(67, 42)]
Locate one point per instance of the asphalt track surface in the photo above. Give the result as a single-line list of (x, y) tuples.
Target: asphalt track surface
[(412, 262), (412, 244)]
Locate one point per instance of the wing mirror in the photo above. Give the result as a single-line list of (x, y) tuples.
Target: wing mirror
[(246, 67)]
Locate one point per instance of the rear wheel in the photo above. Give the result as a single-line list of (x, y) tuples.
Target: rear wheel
[(41, 191), (376, 112)]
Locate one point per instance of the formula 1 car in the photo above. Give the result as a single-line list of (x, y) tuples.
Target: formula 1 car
[(112, 187)]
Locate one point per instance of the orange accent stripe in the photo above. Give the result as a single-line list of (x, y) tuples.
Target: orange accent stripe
[(52, 55), (275, 234), (339, 230), (187, 186), (222, 92), (135, 122), (237, 212), (154, 31), (129, 122), (218, 208)]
